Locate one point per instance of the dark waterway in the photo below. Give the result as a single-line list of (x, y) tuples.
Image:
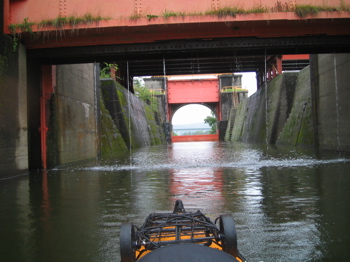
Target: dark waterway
[(289, 204)]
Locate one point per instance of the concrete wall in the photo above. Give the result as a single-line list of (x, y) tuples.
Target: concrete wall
[(251, 124), (155, 83), (13, 109), (309, 108), (333, 96), (75, 119), (134, 119), (299, 130), (111, 139)]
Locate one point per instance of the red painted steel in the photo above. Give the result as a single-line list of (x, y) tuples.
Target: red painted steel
[(47, 88), (142, 21), (193, 91), (214, 137), (296, 57), (38, 10)]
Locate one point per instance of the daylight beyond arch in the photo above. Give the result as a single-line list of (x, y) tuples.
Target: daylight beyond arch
[(189, 114)]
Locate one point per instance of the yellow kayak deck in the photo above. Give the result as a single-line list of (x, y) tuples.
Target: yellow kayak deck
[(162, 230)]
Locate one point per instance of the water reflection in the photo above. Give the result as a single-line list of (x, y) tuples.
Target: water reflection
[(198, 187), (287, 205)]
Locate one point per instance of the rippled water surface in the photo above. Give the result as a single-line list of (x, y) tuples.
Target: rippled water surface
[(289, 204)]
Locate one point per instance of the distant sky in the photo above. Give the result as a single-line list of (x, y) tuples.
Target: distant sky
[(191, 114), (197, 113)]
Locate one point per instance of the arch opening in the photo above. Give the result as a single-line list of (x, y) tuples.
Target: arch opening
[(193, 119)]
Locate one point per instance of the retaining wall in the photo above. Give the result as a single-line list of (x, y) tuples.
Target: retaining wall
[(134, 119), (13, 109), (299, 130), (333, 95), (111, 138), (74, 131), (309, 108), (251, 124)]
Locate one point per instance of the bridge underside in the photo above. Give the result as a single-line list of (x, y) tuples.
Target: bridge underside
[(192, 45), (196, 56)]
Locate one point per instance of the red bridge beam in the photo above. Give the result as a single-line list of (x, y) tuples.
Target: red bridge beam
[(128, 22), (193, 91), (38, 10)]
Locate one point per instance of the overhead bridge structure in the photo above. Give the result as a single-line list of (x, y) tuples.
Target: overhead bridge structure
[(158, 37), (177, 37)]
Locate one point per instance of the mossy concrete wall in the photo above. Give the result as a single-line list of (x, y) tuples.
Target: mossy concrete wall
[(310, 108), (298, 130), (111, 138), (261, 117), (134, 120), (13, 109)]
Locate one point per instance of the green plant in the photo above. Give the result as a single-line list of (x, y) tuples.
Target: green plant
[(146, 95), (61, 21), (149, 17), (259, 10), (105, 72), (304, 10), (167, 14), (226, 11), (211, 121), (17, 29), (26, 26), (135, 16)]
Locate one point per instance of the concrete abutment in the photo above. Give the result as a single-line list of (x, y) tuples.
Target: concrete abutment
[(308, 109), (78, 125), (13, 109)]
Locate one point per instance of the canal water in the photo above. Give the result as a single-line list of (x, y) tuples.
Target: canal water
[(289, 204)]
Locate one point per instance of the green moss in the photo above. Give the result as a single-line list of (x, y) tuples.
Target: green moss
[(111, 139), (154, 128)]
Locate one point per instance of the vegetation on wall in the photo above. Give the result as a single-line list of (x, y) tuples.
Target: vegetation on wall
[(146, 95), (57, 23), (291, 6), (111, 139), (107, 69), (73, 21), (17, 29), (23, 27)]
